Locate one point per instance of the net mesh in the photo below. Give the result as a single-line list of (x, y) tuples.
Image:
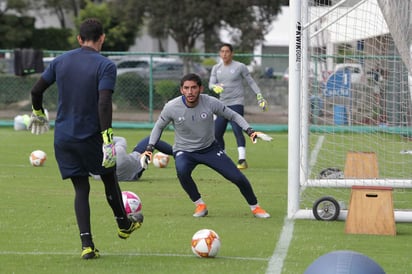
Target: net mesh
[(360, 99)]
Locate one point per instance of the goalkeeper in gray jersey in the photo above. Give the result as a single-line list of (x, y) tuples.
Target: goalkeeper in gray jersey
[(226, 79), (192, 118)]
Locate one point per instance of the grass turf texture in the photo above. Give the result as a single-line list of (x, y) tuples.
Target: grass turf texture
[(38, 231)]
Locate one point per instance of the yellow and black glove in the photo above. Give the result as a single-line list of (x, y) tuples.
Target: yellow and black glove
[(39, 122), (109, 151), (263, 104), (218, 89)]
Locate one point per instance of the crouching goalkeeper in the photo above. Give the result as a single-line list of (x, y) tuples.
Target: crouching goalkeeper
[(192, 117)]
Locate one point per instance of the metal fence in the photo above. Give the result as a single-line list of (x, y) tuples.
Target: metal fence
[(146, 81)]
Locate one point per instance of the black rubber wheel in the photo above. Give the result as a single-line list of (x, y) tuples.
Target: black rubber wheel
[(326, 209)]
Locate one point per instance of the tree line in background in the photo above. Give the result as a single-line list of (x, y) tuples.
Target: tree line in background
[(186, 21)]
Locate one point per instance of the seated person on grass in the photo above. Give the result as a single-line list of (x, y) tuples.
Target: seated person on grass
[(128, 165)]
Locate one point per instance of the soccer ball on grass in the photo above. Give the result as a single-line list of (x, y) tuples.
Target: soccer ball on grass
[(37, 158), (205, 243), (160, 160), (132, 202)]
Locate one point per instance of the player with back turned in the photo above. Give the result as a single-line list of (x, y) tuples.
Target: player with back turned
[(192, 117), (83, 135)]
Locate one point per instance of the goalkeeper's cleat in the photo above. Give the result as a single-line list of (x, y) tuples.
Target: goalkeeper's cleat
[(201, 210), (90, 253), (260, 213), (242, 164), (137, 221)]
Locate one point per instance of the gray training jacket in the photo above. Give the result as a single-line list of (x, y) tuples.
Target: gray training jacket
[(231, 78), (194, 127)]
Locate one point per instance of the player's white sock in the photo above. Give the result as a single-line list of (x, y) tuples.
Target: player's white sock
[(242, 152), (253, 207), (200, 201)]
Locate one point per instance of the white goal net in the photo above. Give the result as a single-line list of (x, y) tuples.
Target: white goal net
[(350, 102)]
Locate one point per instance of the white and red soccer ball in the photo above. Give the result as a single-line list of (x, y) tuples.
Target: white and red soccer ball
[(205, 243), (37, 158), (132, 202), (160, 160)]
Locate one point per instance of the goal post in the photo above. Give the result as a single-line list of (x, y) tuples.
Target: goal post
[(350, 82)]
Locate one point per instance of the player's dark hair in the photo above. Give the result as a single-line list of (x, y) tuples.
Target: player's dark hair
[(90, 30), (226, 45), (191, 77)]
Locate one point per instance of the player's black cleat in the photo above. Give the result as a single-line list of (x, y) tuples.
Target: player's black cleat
[(242, 164), (90, 253)]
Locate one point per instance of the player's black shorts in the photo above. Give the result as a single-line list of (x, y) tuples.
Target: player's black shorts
[(80, 158)]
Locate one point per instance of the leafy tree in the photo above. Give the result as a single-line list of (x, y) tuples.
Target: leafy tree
[(121, 21), (61, 8), (126, 22), (15, 28), (16, 32), (252, 19), (187, 21), (179, 19), (18, 6), (52, 39)]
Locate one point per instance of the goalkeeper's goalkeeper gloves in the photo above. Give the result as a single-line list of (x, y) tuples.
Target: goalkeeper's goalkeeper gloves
[(218, 89), (109, 151), (263, 104), (39, 122), (146, 156), (254, 135)]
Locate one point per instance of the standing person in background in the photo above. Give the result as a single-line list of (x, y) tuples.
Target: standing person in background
[(226, 79), (192, 117), (83, 135)]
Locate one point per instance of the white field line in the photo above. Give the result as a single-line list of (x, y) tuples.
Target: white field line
[(276, 261), (314, 153), (123, 254)]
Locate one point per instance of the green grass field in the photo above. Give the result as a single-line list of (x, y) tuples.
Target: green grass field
[(38, 231)]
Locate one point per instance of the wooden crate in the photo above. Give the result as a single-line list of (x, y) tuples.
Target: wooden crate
[(371, 211), (361, 165)]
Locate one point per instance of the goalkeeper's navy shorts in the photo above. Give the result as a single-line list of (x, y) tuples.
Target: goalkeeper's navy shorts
[(221, 125), (80, 158), (215, 158)]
